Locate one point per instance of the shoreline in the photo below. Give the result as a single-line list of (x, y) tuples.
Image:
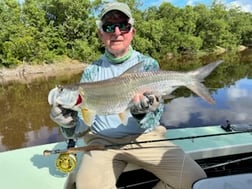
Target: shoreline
[(27, 73)]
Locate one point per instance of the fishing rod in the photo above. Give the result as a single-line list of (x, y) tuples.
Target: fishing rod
[(109, 146), (67, 158)]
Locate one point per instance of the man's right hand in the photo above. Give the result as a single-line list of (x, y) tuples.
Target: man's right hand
[(64, 117), (64, 106)]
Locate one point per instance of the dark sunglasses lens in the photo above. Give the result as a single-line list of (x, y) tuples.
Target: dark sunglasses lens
[(110, 28), (123, 26)]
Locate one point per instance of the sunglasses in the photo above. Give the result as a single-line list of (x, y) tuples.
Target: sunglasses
[(124, 27)]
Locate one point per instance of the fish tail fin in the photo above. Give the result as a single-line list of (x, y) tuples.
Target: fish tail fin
[(199, 74), (200, 89), (204, 71)]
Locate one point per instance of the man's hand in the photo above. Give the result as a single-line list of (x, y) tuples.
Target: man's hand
[(64, 106), (144, 103), (64, 117)]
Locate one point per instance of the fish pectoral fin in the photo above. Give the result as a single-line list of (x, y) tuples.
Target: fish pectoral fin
[(123, 116), (88, 116)]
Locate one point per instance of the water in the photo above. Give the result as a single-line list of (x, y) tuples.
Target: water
[(24, 113), (233, 103)]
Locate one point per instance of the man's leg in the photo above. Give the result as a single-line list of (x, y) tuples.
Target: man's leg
[(99, 169), (168, 162), (177, 171)]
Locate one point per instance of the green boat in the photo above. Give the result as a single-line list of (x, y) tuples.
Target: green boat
[(224, 152)]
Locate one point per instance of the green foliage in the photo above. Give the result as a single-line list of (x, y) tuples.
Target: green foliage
[(42, 31)]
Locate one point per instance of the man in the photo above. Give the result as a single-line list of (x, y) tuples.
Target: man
[(101, 169)]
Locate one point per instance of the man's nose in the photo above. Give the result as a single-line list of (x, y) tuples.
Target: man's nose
[(117, 31)]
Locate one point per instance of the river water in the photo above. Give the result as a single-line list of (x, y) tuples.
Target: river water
[(24, 113)]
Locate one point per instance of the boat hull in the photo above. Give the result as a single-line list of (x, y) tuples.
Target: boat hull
[(28, 168)]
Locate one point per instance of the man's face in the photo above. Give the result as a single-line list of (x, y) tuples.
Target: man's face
[(117, 34)]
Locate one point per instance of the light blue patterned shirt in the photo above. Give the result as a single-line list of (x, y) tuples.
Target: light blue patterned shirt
[(111, 125)]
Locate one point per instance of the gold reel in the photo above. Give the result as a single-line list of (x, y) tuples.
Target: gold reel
[(66, 162)]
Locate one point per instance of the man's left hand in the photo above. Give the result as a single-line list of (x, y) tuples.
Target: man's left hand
[(146, 102)]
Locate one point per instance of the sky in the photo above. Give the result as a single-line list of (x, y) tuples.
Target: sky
[(245, 5)]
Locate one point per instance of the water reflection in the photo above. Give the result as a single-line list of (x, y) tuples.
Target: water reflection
[(24, 112), (233, 103)]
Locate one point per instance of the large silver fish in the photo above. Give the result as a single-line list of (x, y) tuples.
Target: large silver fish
[(114, 96)]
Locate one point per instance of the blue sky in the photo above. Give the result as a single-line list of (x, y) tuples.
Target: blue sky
[(246, 5)]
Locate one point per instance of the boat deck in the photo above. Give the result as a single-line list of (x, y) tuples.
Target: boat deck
[(211, 146), (28, 168)]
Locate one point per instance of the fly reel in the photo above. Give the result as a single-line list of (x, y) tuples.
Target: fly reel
[(66, 162), (67, 159)]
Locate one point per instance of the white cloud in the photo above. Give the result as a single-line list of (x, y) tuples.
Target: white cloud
[(234, 93), (195, 2), (233, 103), (177, 111), (245, 5)]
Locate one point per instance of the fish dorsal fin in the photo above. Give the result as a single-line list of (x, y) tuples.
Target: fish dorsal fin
[(136, 68), (88, 116)]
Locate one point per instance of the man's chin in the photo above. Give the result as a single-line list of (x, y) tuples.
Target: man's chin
[(117, 49)]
